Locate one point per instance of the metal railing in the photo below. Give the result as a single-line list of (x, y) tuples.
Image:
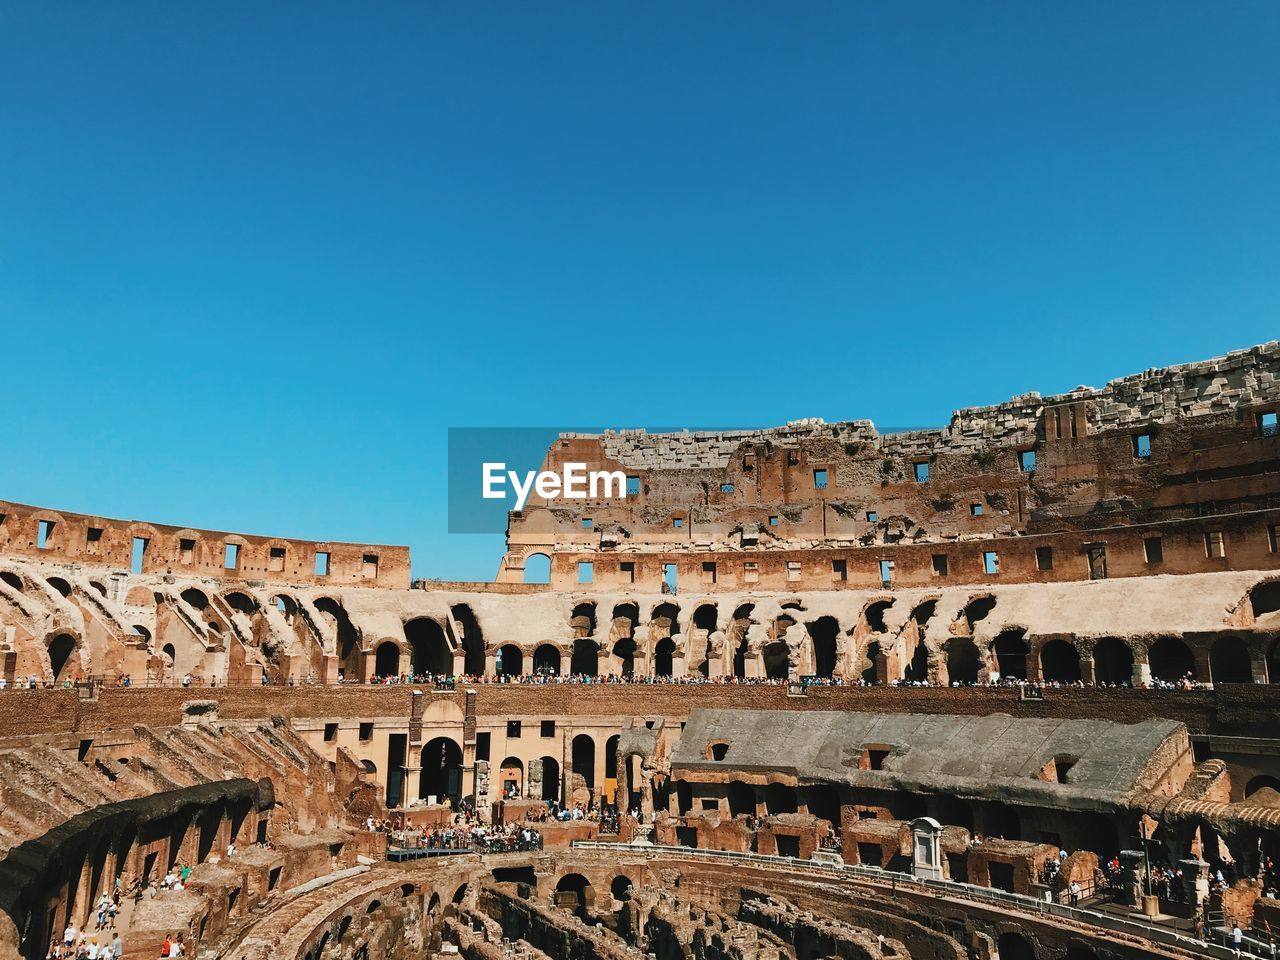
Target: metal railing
[(951, 889)]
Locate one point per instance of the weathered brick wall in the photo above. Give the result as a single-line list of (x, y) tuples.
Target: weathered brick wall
[(1239, 710)]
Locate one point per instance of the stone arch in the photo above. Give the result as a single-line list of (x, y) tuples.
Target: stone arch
[(1060, 662), (977, 609), (583, 758), (664, 652), (872, 617), (348, 638), (428, 647), (1264, 598), (441, 775), (64, 657), (1010, 648), (12, 579), (511, 777), (386, 659), (611, 757), (742, 799), (537, 568), (1229, 660), (241, 601), (582, 621), (1171, 660), (824, 636), (471, 641), (573, 892), (964, 661), (510, 661), (738, 642), (546, 660), (620, 887), (585, 659), (780, 798), (777, 660), (1112, 662), (1014, 946), (61, 585), (917, 668), (550, 779), (195, 597), (1262, 782)]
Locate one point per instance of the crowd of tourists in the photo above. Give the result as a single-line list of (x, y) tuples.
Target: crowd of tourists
[(101, 943)]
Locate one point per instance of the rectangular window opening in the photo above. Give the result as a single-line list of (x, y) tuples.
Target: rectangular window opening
[(1142, 445), (138, 554), (991, 562), (587, 523), (939, 564), (750, 571), (627, 569), (922, 472), (330, 732), (709, 571), (677, 522), (670, 575), (1215, 545), (366, 730), (44, 530), (547, 728), (886, 572), (726, 488), (1153, 547), (840, 570), (819, 479), (872, 516), (793, 569), (186, 550), (1273, 537), (975, 509), (1027, 460), (93, 535), (482, 746), (1267, 424), (369, 566), (322, 563), (513, 729), (275, 560), (773, 521), (633, 486), (586, 571), (1044, 558), (231, 556)]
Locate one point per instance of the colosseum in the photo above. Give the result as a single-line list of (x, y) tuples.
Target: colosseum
[(1001, 689)]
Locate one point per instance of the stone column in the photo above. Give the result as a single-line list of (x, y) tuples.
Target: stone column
[(1131, 885), (412, 784), (1195, 882)]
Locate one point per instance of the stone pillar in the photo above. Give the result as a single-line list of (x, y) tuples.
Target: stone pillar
[(1141, 674), (1088, 670), (1195, 882), (533, 782), (1131, 886), (412, 784)]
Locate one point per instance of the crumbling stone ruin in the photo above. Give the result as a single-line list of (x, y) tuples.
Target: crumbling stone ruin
[(807, 692)]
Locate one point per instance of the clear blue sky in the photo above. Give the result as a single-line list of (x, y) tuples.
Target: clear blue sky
[(256, 258)]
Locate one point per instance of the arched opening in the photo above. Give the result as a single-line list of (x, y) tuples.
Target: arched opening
[(665, 621), (573, 892), (871, 673), (1059, 662), (1229, 661), (822, 634), (704, 625), (620, 887), (738, 638), (978, 609), (964, 662), (779, 798), (873, 615), (611, 757), (824, 802), (195, 598), (1011, 654), (550, 779), (684, 797), (584, 760), (345, 631), (60, 585), (441, 771), (1263, 790), (917, 669), (663, 655), (537, 568), (585, 660), (625, 651), (98, 586), (546, 660), (61, 662), (138, 630), (509, 661), (742, 799), (459, 895), (1265, 598), (924, 612), (1112, 662), (1170, 660), (170, 655), (777, 661), (12, 579), (1078, 951), (429, 650), (472, 639), (238, 600), (511, 778), (583, 620), (286, 606), (1014, 946), (386, 659)]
